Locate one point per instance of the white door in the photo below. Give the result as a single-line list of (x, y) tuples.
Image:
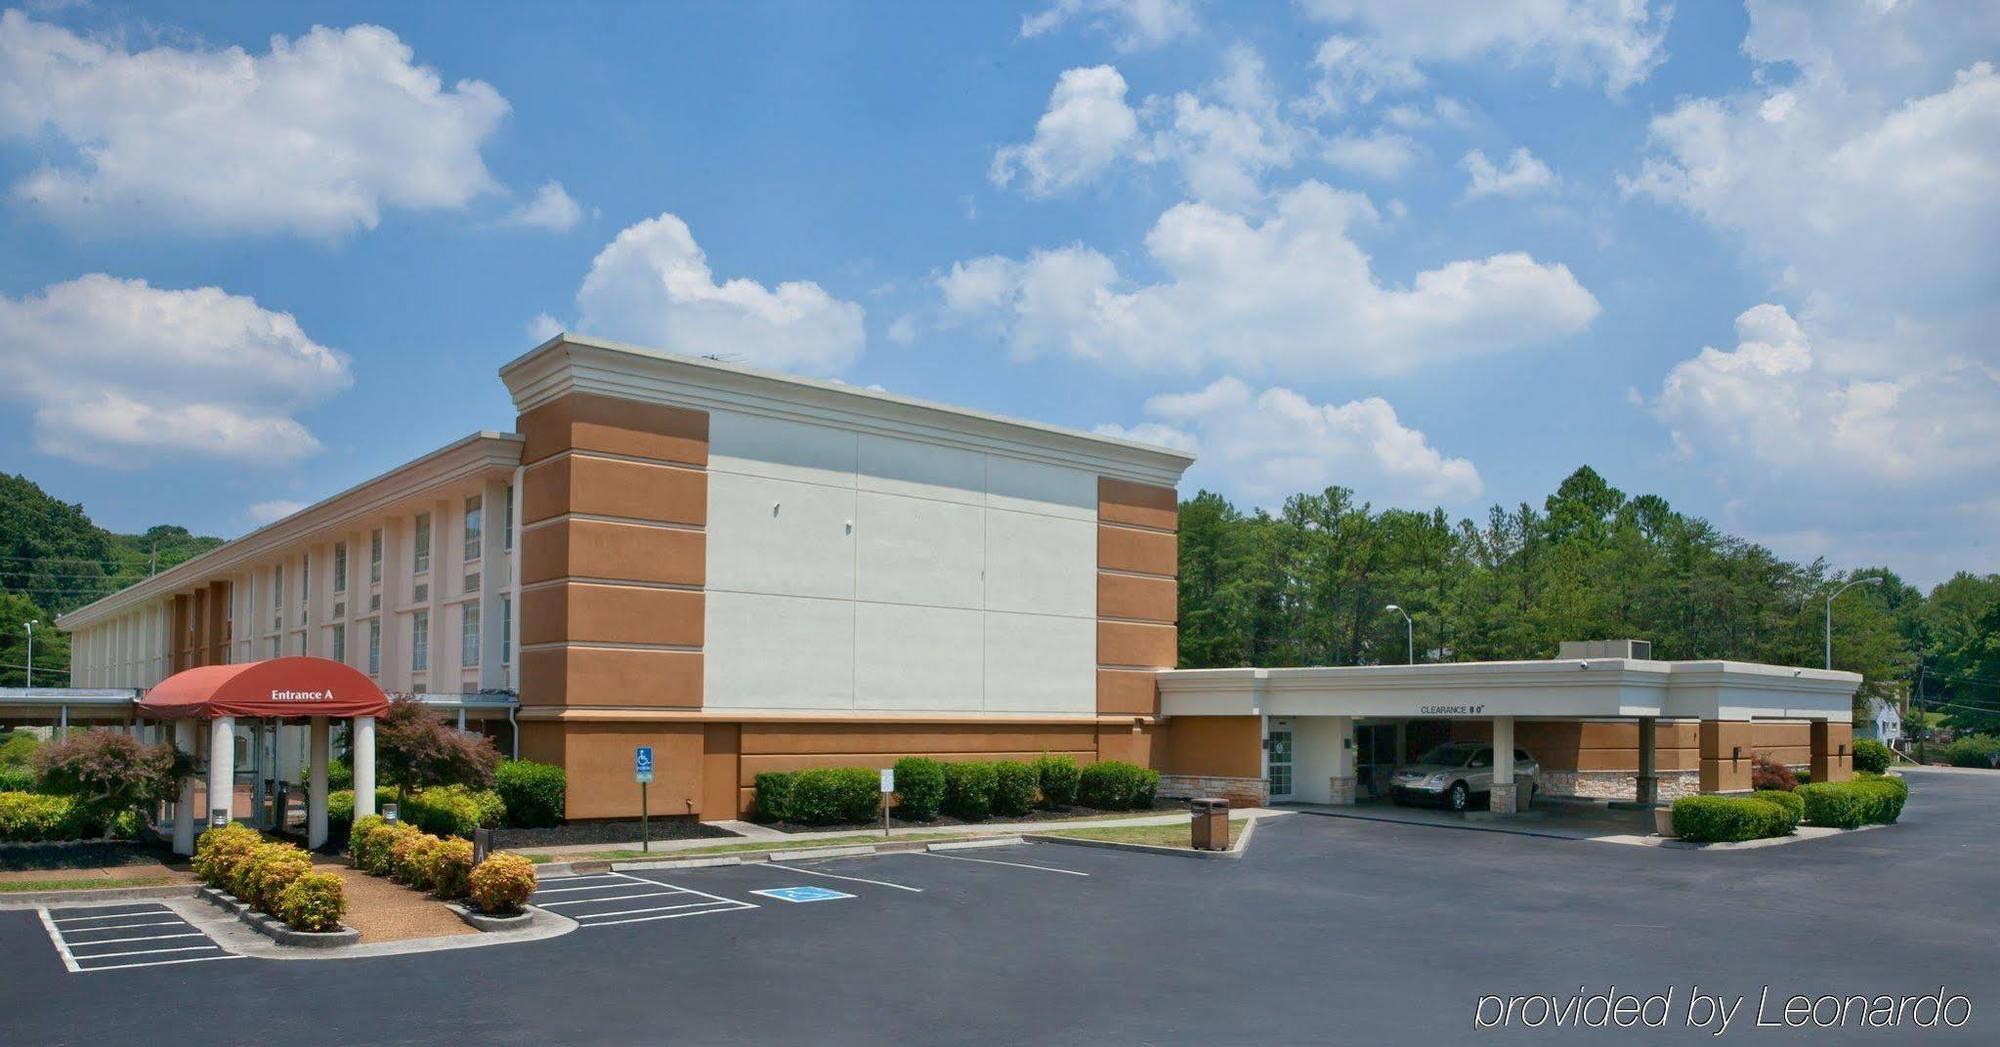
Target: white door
[(1278, 758)]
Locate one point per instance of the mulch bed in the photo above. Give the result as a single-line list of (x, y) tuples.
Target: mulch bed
[(1161, 805), (93, 855), (680, 828)]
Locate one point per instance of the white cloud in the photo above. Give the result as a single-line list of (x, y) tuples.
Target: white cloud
[(1353, 72), (653, 285), (903, 329), (552, 209), (1857, 175), (122, 373), (543, 327), (1382, 155), (1226, 139), (1523, 175), (1616, 43), (1266, 445), (262, 513), (1086, 128), (1134, 25), (317, 136), (1291, 295)]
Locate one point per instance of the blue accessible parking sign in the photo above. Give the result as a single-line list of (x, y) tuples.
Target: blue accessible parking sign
[(802, 894), (642, 763)]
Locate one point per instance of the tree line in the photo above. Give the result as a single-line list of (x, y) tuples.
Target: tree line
[(1309, 584)]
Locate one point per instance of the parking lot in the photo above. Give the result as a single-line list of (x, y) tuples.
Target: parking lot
[(1331, 930), (121, 937)]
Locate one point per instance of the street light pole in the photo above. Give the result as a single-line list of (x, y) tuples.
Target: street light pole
[(30, 667), (1870, 580), (1409, 630)]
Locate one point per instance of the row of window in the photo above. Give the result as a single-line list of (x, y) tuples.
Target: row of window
[(421, 562), (420, 639)]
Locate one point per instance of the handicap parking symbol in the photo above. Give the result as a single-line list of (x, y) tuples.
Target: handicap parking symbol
[(802, 894)]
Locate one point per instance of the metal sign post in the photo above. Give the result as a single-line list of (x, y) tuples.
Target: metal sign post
[(888, 786), (642, 769)]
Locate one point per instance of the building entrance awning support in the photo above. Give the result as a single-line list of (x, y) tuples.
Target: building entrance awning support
[(299, 689)]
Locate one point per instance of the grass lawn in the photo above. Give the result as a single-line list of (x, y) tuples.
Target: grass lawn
[(17, 886), (1175, 835)]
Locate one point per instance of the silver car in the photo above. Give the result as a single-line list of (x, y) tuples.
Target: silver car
[(1455, 772)]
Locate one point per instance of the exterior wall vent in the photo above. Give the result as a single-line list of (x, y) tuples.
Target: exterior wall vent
[(1636, 650), (422, 593)]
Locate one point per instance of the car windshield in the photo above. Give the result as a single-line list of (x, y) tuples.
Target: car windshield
[(1450, 754)]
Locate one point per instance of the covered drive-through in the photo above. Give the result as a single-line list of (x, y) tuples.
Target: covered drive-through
[(313, 691), (1619, 728)]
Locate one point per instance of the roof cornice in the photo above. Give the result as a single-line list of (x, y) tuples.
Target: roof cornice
[(572, 363), (471, 456)]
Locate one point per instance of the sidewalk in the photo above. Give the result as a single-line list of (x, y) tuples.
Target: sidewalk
[(752, 833)]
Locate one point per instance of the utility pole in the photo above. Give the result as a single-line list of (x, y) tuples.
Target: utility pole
[(30, 667)]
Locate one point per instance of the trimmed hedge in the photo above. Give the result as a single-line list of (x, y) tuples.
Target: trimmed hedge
[(1729, 819), (1872, 757), (1974, 750), (38, 818), (1014, 788), (1112, 785), (533, 793), (1791, 803), (19, 779), (502, 883), (1866, 800), (969, 789), (313, 902), (1057, 777), (448, 810), (919, 788), (819, 796)]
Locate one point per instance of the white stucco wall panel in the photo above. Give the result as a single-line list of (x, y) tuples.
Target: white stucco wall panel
[(778, 652), (1040, 663), (921, 470), (781, 449), (917, 658), (1033, 487), (919, 551), (1033, 564), (780, 536)]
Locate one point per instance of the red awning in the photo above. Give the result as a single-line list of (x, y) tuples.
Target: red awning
[(281, 687)]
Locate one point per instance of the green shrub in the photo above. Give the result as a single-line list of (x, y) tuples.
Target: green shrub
[(1872, 756), (274, 869), (1014, 787), (969, 789), (314, 902), (339, 774), (919, 788), (1789, 802), (410, 859), (1867, 800), (1057, 778), (454, 810), (219, 851), (1112, 785), (1728, 819), (18, 779), (35, 818), (502, 883), (774, 795), (381, 852), (19, 749), (340, 804), (1804, 775), (532, 793), (1974, 750), (834, 796)]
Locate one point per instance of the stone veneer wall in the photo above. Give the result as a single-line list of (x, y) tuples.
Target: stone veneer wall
[(1616, 785), (1240, 792)]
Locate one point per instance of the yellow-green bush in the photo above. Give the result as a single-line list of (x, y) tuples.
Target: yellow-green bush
[(449, 870), (502, 883), (313, 902), (410, 859), (271, 871), (35, 818), (219, 851), (378, 857)]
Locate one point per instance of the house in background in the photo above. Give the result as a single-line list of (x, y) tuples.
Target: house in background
[(1884, 723)]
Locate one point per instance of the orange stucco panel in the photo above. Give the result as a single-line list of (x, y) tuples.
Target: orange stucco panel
[(1136, 644), (598, 759), (1134, 597), (613, 487), (618, 614), (1141, 505), (1214, 746), (1141, 552), (611, 677), (1127, 692), (590, 422)]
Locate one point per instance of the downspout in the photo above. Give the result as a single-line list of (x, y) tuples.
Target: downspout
[(515, 728)]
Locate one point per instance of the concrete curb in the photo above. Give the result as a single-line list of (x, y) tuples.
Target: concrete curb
[(94, 895), (818, 852), (1804, 834), (973, 845), (495, 924), (1235, 852), (274, 928), (710, 862), (1452, 826)]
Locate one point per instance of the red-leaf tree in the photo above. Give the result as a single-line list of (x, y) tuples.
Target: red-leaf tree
[(111, 772), (416, 750)]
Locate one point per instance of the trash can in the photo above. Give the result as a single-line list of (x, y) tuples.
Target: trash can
[(1210, 824)]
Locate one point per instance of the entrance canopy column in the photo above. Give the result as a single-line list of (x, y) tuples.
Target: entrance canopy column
[(1725, 756), (319, 749), (1647, 788), (1832, 758), (1501, 798), (221, 768), (184, 812), (363, 735), (1341, 782)]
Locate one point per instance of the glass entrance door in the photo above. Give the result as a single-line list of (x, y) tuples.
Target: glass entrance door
[(1278, 758)]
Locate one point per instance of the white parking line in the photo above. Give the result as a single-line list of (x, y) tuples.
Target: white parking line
[(657, 908), (613, 898), (586, 887), (156, 963), (113, 916), (837, 876), (732, 907), (80, 957), (989, 861), (141, 938), (149, 952), (121, 926)]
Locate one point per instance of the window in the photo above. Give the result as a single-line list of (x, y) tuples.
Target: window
[(339, 609), (275, 641), (375, 647), (468, 637), (506, 630), (472, 581), (475, 520), (507, 521), (422, 562), (278, 586), (305, 578), (375, 556), (420, 641), (340, 643), (340, 567), (374, 602)]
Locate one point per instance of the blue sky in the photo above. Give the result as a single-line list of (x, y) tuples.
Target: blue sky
[(1740, 257)]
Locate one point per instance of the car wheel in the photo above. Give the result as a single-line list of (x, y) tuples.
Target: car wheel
[(1459, 798)]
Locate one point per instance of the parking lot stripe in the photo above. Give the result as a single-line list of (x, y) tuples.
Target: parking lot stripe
[(150, 952), (155, 911), (62, 947), (989, 861), (157, 963), (837, 876), (656, 908), (589, 887), (141, 938), (123, 926), (731, 907), (616, 898)]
